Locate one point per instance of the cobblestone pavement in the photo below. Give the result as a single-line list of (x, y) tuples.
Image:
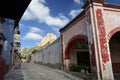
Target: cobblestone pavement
[(30, 71), (15, 75)]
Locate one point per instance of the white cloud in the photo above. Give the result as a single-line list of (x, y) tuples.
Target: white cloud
[(74, 13), (42, 1), (39, 11), (56, 29), (28, 15), (35, 30), (33, 34), (78, 2), (21, 25)]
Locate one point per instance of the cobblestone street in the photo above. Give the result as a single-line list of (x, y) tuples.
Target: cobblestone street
[(30, 71)]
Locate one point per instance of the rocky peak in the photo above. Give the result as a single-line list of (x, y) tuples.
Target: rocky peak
[(48, 39)]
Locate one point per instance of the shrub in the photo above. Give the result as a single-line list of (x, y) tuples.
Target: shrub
[(77, 68)]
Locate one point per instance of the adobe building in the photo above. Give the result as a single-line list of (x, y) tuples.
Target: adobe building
[(93, 39)]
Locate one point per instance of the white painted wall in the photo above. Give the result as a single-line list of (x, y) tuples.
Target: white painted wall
[(50, 55)]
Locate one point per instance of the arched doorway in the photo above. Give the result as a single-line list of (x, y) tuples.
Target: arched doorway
[(114, 45), (78, 52)]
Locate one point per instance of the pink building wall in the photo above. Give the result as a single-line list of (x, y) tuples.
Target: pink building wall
[(112, 21), (78, 28), (99, 23)]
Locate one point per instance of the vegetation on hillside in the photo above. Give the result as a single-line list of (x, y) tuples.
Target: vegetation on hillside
[(45, 42), (25, 52)]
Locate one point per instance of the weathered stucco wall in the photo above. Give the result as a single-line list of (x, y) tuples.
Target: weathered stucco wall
[(51, 55), (104, 22), (100, 22), (111, 19), (7, 28), (38, 57), (78, 28), (9, 34)]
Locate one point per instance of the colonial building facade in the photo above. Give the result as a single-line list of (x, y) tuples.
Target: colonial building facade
[(93, 39)]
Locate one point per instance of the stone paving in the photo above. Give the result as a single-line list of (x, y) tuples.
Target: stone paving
[(30, 71), (15, 74), (38, 72)]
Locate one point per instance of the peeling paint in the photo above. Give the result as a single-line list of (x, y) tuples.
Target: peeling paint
[(103, 67), (102, 37)]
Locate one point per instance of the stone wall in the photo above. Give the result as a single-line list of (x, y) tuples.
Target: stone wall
[(50, 56)]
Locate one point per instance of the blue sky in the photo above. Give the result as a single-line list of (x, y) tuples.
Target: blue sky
[(47, 16)]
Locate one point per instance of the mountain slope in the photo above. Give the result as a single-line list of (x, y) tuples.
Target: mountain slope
[(46, 41), (49, 38)]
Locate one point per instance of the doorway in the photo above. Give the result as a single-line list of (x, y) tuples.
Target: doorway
[(114, 44), (83, 59)]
